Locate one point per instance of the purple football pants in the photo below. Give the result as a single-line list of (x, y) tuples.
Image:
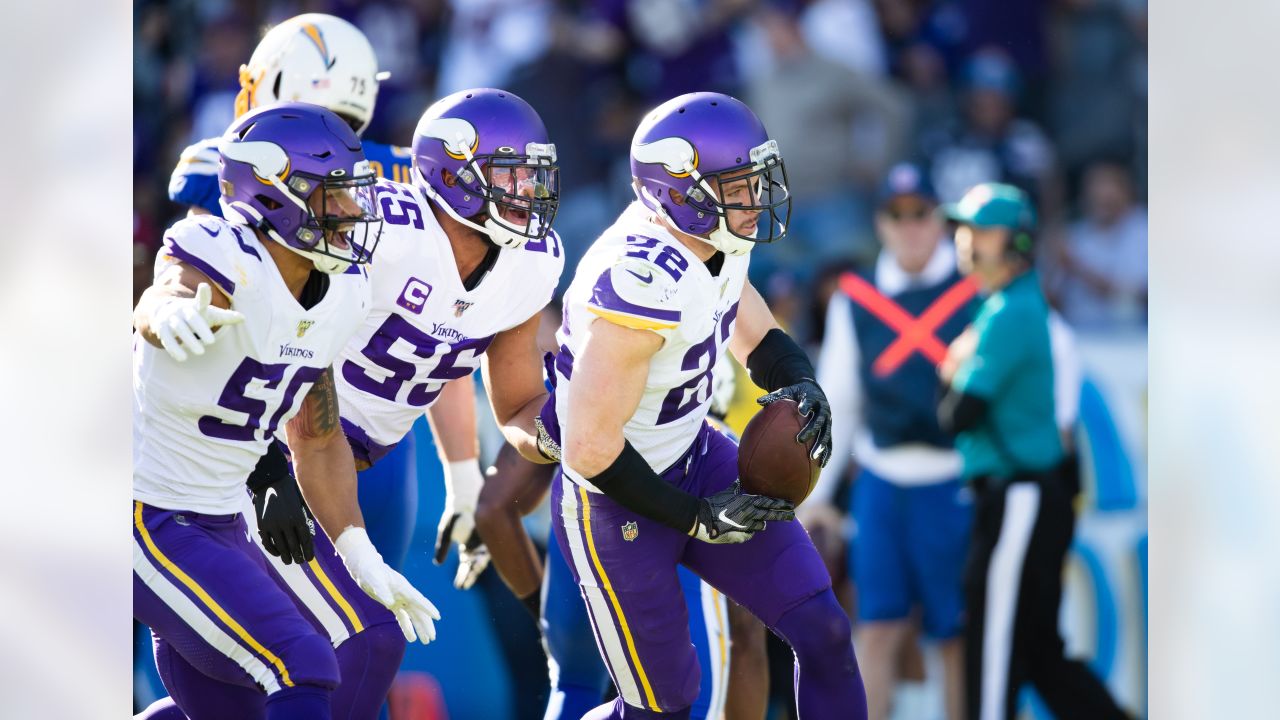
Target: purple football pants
[(625, 566), (237, 636)]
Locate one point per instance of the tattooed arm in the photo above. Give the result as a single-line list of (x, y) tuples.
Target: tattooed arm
[(322, 459), (326, 473)]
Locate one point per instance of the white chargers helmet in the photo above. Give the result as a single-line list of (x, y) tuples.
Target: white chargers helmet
[(313, 58)]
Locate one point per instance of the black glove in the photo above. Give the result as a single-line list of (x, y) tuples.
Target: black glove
[(730, 516), (813, 405), (284, 522)]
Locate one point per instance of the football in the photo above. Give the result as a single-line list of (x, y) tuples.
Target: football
[(770, 461)]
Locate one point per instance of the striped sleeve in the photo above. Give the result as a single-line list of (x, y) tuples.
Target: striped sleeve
[(212, 246), (636, 294)]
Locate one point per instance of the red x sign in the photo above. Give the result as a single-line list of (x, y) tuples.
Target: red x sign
[(914, 333)]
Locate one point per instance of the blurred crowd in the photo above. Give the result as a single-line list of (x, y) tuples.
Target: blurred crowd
[(1049, 95)]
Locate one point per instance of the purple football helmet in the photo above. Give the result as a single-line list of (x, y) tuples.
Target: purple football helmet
[(276, 158), (687, 148), (484, 157)]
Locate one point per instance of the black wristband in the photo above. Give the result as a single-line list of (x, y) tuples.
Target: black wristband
[(533, 603), (271, 468), (778, 362), (635, 486)]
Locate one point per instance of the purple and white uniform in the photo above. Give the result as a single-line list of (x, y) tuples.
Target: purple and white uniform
[(424, 328), (219, 613), (200, 426), (639, 276)]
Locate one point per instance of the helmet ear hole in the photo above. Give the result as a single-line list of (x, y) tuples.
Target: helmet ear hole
[(268, 202), (275, 86), (676, 196)]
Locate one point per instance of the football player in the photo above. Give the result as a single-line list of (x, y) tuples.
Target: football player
[(513, 488), (314, 58), (327, 61), (236, 339), (645, 483), (468, 262)]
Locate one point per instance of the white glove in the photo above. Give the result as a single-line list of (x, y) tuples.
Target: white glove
[(412, 609), (184, 324), (462, 483)]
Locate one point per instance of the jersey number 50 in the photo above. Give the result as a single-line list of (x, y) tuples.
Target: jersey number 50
[(235, 397)]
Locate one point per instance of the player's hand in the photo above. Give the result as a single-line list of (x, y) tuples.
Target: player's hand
[(187, 324), (284, 523), (813, 405), (412, 609), (473, 558), (462, 483), (732, 516)]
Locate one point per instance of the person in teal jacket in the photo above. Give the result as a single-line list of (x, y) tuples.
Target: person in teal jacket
[(998, 399)]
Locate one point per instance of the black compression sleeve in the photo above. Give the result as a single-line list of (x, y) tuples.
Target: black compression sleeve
[(778, 362), (635, 486), (271, 467), (960, 411)]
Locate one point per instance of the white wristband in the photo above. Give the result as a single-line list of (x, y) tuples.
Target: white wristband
[(352, 542), (463, 480)]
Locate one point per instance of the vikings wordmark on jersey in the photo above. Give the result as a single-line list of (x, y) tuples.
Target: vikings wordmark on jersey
[(199, 427)]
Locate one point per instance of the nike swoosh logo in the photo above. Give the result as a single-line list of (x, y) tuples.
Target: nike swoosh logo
[(643, 278), (211, 233), (723, 518), (266, 499)]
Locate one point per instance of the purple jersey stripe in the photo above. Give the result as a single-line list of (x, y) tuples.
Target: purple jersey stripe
[(222, 280), (605, 297), (243, 245), (564, 363), (363, 446)]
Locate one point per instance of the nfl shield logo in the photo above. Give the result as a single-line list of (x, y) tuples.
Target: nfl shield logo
[(459, 307), (304, 326), (630, 531)]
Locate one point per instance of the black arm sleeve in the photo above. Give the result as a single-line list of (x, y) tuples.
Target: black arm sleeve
[(959, 411), (271, 467), (778, 362), (635, 486)]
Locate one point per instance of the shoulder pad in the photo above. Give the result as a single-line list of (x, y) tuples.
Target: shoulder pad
[(638, 294), (213, 246)]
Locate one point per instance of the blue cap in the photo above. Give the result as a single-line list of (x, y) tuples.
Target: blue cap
[(905, 179), (993, 205)]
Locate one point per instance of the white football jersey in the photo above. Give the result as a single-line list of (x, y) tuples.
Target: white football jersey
[(640, 276), (200, 426), (424, 328)]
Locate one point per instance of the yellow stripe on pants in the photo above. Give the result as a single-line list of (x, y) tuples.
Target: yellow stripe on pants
[(209, 602), (613, 598)]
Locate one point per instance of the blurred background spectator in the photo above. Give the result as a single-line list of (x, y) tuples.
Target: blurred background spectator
[(1044, 94), (1101, 282)]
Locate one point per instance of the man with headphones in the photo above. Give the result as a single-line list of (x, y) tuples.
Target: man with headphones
[(998, 399)]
